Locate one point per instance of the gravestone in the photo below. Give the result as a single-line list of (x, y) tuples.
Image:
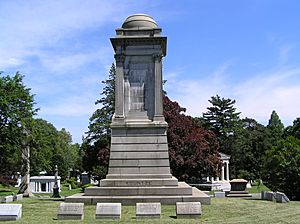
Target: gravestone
[(139, 168), (238, 188), (70, 211), (108, 211), (188, 210), (8, 199), (281, 197), (10, 212), (18, 197), (220, 194), (148, 210), (270, 196)]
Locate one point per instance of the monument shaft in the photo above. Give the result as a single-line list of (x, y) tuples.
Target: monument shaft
[(139, 169)]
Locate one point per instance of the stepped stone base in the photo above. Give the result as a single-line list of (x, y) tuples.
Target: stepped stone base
[(238, 194), (156, 195), (139, 169)]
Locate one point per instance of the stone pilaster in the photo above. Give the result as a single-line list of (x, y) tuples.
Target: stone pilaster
[(119, 89), (158, 101)]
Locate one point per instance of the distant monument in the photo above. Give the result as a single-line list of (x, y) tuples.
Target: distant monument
[(139, 169)]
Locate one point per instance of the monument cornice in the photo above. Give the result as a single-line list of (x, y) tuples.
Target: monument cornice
[(139, 41)]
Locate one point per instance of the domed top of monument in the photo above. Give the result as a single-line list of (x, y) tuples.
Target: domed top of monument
[(139, 21)]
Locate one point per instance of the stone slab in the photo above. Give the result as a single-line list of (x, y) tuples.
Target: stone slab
[(188, 210), (139, 163), (140, 155), (10, 212), (139, 182), (219, 194), (139, 139), (281, 197), (270, 196), (70, 211), (139, 147), (108, 211), (148, 210), (181, 189), (139, 170), (18, 197), (196, 196), (8, 199)]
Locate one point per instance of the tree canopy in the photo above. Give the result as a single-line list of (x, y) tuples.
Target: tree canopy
[(17, 108)]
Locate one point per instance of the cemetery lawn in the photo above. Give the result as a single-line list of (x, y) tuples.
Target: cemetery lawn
[(228, 210)]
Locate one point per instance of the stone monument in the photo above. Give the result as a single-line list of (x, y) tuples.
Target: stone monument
[(139, 169)]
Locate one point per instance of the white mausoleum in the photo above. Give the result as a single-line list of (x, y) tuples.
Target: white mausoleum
[(43, 184), (221, 182)]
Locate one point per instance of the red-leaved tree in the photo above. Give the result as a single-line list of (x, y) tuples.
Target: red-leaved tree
[(193, 151)]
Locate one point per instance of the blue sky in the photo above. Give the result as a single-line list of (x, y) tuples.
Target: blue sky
[(244, 50)]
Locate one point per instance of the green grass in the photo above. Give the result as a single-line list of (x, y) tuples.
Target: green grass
[(258, 189), (228, 210)]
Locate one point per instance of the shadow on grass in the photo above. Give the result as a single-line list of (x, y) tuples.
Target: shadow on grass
[(173, 216)]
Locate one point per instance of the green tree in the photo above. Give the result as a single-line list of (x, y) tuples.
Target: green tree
[(223, 120), (17, 108), (50, 147), (43, 141), (193, 151), (275, 128), (96, 145), (282, 167), (293, 130), (249, 149)]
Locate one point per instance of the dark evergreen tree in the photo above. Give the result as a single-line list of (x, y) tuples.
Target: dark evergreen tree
[(275, 128), (97, 143), (223, 120)]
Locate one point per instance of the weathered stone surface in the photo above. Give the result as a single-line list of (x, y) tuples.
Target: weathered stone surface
[(281, 197), (108, 211), (148, 210), (220, 194), (70, 211), (139, 169), (10, 212), (18, 197), (8, 199), (270, 196), (188, 210), (196, 196)]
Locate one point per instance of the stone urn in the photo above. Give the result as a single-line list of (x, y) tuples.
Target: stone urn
[(238, 184)]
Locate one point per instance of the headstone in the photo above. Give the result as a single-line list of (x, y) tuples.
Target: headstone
[(108, 211), (56, 187), (8, 199), (70, 211), (18, 197), (188, 210), (10, 212), (85, 179), (270, 196), (219, 194), (281, 197), (238, 188), (263, 195), (148, 210)]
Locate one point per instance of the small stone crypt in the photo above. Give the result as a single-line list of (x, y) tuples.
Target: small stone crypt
[(139, 169)]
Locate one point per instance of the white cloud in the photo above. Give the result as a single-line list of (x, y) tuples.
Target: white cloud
[(284, 53), (76, 106), (257, 97)]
